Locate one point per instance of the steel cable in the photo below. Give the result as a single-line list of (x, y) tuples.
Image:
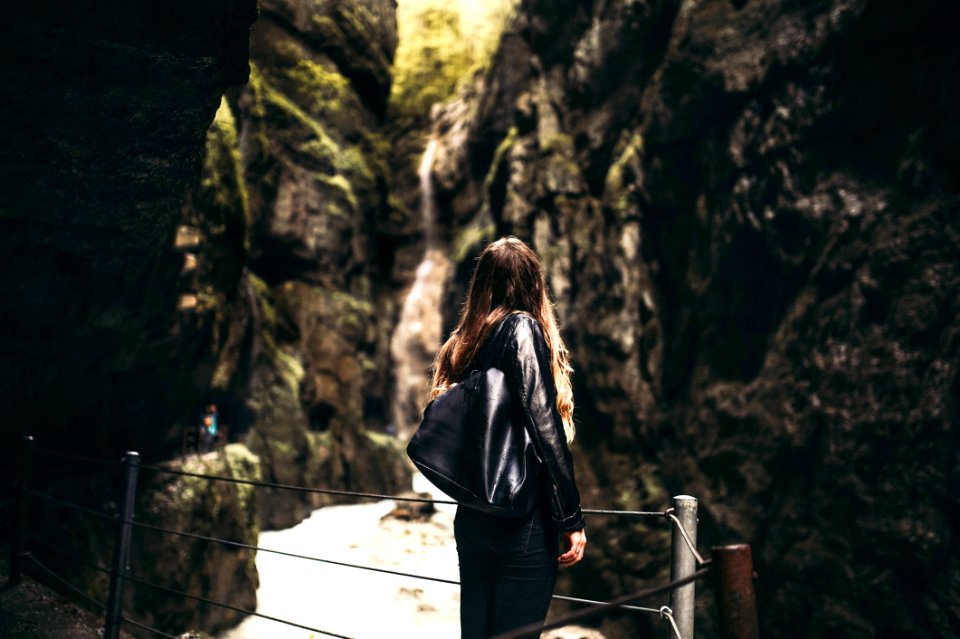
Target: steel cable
[(535, 629), (596, 606), (79, 458), (683, 533), (221, 604), (63, 581), (147, 628), (349, 493), (667, 614), (72, 505), (239, 544), (70, 555), (325, 491), (654, 611), (302, 489), (624, 513)]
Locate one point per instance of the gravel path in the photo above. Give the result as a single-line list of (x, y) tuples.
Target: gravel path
[(30, 610)]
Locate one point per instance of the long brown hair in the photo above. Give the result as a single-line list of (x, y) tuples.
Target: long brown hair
[(508, 279)]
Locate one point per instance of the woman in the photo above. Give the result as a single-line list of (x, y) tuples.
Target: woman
[(508, 568)]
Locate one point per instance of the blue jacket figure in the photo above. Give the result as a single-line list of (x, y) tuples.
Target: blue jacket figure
[(209, 427)]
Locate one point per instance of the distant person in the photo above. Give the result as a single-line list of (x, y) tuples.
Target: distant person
[(508, 567), (209, 427)]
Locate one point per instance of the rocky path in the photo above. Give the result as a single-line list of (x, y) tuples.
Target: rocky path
[(30, 610)]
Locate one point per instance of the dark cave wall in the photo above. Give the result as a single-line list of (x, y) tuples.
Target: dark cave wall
[(106, 107), (748, 215)]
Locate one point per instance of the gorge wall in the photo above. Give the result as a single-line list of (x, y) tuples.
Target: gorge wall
[(299, 298), (748, 211), (106, 107), (169, 242)]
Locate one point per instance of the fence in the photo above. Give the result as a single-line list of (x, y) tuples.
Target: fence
[(732, 564)]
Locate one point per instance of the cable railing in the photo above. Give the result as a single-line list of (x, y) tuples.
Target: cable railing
[(687, 563)]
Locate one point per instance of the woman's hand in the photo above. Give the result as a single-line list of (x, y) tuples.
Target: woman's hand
[(575, 543)]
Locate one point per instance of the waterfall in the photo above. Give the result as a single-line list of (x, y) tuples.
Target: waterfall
[(420, 327)]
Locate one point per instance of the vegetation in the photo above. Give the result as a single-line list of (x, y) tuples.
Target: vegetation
[(440, 43)]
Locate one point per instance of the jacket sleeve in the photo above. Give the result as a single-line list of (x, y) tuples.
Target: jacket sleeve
[(528, 372)]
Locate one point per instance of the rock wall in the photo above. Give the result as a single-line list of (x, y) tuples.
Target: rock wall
[(164, 247), (302, 317), (106, 106), (220, 572), (748, 214)]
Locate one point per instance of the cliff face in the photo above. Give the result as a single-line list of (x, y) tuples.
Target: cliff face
[(106, 105), (748, 214), (164, 247), (300, 345), (223, 573), (106, 108)]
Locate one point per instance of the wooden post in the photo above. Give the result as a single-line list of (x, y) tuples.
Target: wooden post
[(735, 597)]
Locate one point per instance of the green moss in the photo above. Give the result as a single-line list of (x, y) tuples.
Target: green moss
[(316, 141), (380, 440), (352, 313), (367, 365), (321, 148), (288, 368), (502, 149), (558, 143), (319, 440), (353, 162), (210, 299), (258, 111), (343, 188), (617, 197), (330, 85), (440, 45), (223, 167), (261, 290), (242, 464), (469, 237)]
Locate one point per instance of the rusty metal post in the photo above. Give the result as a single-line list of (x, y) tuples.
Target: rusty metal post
[(735, 597), (23, 510), (121, 546), (683, 563)]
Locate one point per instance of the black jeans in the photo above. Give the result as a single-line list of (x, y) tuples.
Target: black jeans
[(508, 569)]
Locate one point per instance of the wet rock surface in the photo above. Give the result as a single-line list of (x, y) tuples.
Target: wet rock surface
[(748, 215), (315, 172)]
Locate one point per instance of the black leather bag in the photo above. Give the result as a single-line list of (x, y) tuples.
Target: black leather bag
[(460, 443)]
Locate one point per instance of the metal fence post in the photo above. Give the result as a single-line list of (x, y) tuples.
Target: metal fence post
[(23, 510), (121, 546), (735, 597), (683, 564)]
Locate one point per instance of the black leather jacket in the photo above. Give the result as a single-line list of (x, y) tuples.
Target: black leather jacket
[(517, 347)]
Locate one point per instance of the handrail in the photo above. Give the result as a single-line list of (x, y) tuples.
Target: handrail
[(120, 572)]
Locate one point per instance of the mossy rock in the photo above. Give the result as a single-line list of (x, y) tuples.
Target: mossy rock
[(207, 508)]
